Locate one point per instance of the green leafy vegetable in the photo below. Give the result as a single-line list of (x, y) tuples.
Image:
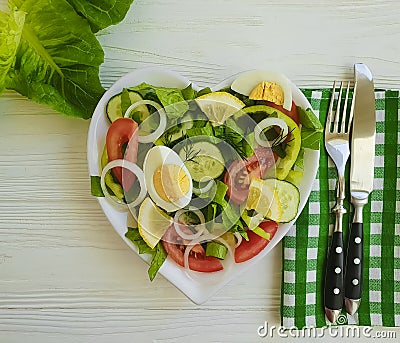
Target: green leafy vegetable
[(188, 93), (134, 235), (207, 130), (157, 261), (216, 249), (57, 61), (125, 101), (101, 14), (311, 131), (300, 159), (159, 254), (95, 187), (203, 91), (10, 36), (171, 98), (53, 57)]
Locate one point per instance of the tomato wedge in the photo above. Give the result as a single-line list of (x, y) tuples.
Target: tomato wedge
[(123, 132), (175, 247), (240, 173), (293, 113), (248, 249)]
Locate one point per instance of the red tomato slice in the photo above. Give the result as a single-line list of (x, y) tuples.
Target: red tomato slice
[(121, 132), (175, 247), (248, 249), (293, 113), (240, 173)]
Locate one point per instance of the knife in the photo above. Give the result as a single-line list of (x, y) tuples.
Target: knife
[(361, 180)]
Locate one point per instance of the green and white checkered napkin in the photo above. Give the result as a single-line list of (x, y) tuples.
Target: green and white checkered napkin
[(306, 244)]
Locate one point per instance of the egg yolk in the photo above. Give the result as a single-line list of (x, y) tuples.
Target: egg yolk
[(269, 91), (170, 182)]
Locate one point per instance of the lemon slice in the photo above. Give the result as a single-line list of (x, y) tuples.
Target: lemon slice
[(264, 199), (219, 106), (152, 222)]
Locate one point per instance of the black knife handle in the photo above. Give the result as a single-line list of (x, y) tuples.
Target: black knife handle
[(334, 273), (354, 262)]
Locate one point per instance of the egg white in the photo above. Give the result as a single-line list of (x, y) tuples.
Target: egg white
[(156, 157), (247, 81)]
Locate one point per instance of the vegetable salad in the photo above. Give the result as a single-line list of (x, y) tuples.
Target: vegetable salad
[(207, 176)]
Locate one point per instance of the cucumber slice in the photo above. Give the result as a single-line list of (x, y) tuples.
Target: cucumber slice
[(114, 111), (275, 199), (288, 196), (112, 185), (207, 162)]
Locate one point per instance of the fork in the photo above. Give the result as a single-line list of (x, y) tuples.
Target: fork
[(337, 133)]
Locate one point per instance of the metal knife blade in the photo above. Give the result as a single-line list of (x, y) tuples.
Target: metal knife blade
[(361, 179), (363, 133)]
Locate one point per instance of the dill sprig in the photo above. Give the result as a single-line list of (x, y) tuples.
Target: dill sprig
[(188, 149), (281, 138), (234, 139)]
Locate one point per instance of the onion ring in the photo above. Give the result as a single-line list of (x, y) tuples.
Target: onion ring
[(190, 246), (239, 238), (267, 122), (178, 230), (150, 138), (206, 188), (132, 167)]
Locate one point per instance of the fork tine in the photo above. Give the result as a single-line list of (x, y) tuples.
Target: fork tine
[(330, 111), (337, 113), (344, 115)]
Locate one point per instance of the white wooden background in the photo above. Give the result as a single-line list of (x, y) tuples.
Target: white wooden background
[(65, 276)]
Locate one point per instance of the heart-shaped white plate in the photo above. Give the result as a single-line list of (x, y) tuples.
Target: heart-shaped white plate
[(197, 286)]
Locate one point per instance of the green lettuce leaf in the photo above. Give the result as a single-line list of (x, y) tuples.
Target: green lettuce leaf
[(57, 61), (311, 130), (159, 257), (101, 14), (134, 236), (48, 51), (159, 254), (171, 98), (189, 93), (10, 35), (95, 187)]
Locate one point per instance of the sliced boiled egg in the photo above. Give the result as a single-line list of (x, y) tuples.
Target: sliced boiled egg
[(265, 85), (168, 181)]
